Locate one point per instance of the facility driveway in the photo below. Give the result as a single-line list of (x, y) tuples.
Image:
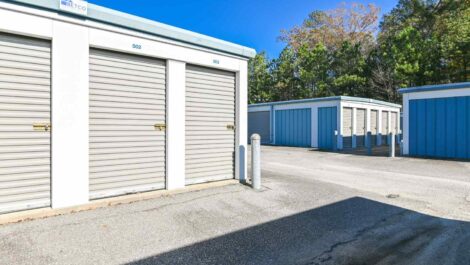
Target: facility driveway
[(315, 208)]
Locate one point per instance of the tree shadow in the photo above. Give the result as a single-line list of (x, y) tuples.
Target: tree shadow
[(353, 231)]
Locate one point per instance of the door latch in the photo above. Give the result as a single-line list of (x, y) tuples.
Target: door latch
[(231, 127), (43, 127), (160, 127)]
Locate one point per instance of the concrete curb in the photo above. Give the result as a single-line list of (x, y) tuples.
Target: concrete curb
[(41, 213)]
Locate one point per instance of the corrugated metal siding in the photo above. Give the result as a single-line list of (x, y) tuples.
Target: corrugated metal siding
[(360, 127), (347, 127), (384, 132), (210, 108), (127, 98), (260, 122), (373, 126), (394, 123), (440, 127), (327, 125), (25, 86), (293, 127)]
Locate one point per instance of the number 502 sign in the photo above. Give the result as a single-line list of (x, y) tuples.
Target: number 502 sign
[(137, 46)]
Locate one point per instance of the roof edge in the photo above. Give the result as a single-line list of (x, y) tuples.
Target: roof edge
[(132, 22), (434, 87), (334, 98)]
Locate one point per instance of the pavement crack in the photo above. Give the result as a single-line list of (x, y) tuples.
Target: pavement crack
[(327, 254)]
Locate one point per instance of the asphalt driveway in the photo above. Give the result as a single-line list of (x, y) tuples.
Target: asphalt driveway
[(315, 208)]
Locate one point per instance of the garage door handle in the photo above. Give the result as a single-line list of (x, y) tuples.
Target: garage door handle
[(46, 127), (160, 127), (231, 127)]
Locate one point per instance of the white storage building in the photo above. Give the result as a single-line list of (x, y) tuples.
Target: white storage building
[(96, 103), (315, 122)]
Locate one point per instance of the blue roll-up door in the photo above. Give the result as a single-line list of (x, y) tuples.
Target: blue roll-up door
[(260, 122), (293, 127), (327, 125), (440, 127)]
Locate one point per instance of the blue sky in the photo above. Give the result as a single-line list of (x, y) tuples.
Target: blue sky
[(253, 23)]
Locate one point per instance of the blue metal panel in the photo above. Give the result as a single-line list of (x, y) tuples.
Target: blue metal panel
[(440, 127), (430, 127), (327, 124), (413, 120), (293, 127)]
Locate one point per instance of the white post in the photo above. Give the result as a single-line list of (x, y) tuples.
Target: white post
[(391, 142), (256, 161)]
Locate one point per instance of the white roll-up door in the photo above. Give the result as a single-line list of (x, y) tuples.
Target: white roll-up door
[(25, 94), (360, 127), (210, 124), (373, 126), (394, 122), (384, 131), (127, 124), (347, 127)]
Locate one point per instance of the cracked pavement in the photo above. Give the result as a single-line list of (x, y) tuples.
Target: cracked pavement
[(315, 208)]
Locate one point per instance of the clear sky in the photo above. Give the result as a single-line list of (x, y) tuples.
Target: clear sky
[(253, 23)]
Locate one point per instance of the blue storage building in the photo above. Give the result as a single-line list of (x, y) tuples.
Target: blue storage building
[(436, 121), (325, 123)]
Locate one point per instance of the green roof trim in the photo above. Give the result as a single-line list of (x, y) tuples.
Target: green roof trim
[(340, 98), (123, 20)]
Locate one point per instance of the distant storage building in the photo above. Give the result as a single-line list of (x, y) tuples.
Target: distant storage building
[(325, 123), (97, 103), (436, 121)]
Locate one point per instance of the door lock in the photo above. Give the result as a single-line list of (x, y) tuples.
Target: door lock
[(231, 127), (43, 127), (160, 127)]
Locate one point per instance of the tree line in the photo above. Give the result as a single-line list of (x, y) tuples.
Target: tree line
[(348, 51)]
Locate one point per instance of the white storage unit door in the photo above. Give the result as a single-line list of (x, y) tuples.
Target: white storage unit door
[(360, 127), (394, 123), (373, 126), (347, 127), (384, 131), (127, 104), (210, 121), (25, 96)]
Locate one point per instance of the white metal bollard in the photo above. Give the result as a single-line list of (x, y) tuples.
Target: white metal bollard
[(256, 161), (391, 145)]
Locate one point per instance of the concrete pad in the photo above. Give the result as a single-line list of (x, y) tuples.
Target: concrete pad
[(314, 208)]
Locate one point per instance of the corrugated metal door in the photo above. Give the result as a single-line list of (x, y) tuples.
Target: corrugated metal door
[(127, 118), (373, 126), (210, 125), (259, 122), (394, 123), (294, 127), (384, 131), (327, 125), (440, 127), (360, 127), (25, 88), (347, 127)]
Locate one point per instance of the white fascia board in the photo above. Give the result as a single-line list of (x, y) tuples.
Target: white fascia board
[(439, 94), (135, 23)]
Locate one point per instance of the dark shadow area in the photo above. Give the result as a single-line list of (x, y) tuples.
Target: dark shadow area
[(381, 150), (354, 231)]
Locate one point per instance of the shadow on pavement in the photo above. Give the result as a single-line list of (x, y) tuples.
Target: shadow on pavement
[(354, 231)]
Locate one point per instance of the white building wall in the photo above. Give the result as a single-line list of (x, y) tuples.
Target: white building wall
[(176, 124), (71, 41), (69, 115)]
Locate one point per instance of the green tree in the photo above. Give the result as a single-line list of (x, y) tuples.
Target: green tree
[(314, 70), (259, 79)]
